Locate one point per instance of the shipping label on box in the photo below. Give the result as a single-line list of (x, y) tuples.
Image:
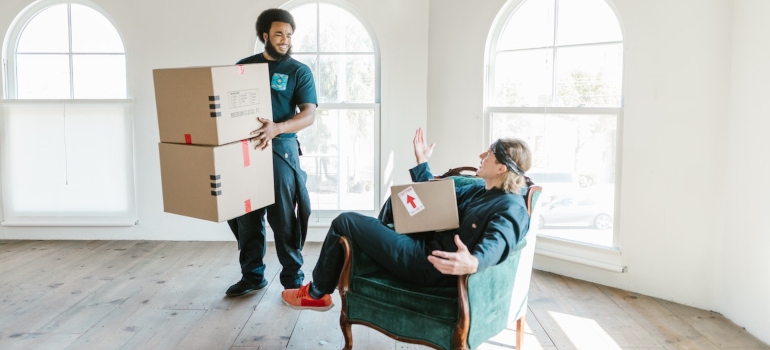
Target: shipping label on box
[(211, 105), (411, 201), (216, 183), (424, 206)]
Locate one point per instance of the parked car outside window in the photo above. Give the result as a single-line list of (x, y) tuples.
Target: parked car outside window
[(555, 184), (577, 212)]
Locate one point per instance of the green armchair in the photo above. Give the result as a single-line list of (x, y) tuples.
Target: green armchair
[(459, 317)]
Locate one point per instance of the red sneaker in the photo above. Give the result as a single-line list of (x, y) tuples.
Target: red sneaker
[(300, 299)]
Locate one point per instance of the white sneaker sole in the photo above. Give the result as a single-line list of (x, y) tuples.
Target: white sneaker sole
[(314, 308)]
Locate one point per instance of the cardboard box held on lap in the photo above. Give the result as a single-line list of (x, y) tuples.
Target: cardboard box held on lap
[(424, 206), (206, 114), (211, 105)]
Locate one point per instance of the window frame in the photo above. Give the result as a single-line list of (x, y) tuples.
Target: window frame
[(10, 97), (17, 28), (608, 258), (322, 218)]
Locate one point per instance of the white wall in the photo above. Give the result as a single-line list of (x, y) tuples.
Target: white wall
[(458, 35), (683, 116), (746, 263), (677, 236), (178, 33)]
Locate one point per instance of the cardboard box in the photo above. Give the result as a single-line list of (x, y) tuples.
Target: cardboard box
[(211, 105), (215, 183), (424, 206)]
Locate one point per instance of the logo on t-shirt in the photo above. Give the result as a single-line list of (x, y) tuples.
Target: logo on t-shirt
[(279, 81)]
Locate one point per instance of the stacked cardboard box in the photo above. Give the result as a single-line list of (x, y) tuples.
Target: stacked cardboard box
[(205, 115)]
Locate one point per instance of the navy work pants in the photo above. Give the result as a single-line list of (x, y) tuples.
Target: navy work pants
[(406, 256), (249, 229)]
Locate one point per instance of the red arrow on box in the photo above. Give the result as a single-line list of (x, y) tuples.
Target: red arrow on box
[(410, 200)]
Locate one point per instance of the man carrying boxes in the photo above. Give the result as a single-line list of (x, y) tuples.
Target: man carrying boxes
[(268, 123), (291, 88)]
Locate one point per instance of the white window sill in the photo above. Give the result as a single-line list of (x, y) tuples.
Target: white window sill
[(69, 222), (586, 254)]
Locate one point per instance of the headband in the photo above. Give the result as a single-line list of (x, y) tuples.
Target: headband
[(503, 158)]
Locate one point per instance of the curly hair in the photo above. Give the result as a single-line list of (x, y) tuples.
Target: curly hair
[(266, 19)]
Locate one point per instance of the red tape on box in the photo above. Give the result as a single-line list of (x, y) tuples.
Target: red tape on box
[(247, 205), (241, 69), (188, 139), (246, 159)]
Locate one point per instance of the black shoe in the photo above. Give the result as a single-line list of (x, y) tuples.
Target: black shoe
[(244, 287)]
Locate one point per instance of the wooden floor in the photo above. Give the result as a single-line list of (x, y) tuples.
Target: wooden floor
[(170, 295)]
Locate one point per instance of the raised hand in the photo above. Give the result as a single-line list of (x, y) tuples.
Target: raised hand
[(422, 151)]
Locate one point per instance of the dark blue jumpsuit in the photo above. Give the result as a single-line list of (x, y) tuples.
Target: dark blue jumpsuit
[(491, 223), (291, 84)]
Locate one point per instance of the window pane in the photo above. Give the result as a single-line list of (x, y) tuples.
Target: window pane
[(47, 32), (305, 38), (311, 61), (346, 79), (360, 79), (531, 26), (589, 76), (341, 32), (327, 79), (92, 32), (43, 76), (320, 159), (357, 127), (82, 166), (522, 78), (339, 159), (99, 76), (587, 21), (574, 159)]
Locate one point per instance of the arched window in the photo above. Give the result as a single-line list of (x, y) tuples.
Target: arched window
[(68, 51), (555, 79), (67, 146), (341, 147)]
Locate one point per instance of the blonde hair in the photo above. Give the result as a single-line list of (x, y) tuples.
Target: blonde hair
[(519, 152)]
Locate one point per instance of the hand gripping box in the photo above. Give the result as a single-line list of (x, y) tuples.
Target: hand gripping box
[(216, 183), (424, 206), (211, 105)]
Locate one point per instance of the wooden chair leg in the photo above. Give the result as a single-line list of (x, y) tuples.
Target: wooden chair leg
[(342, 286), (519, 332), (347, 332)]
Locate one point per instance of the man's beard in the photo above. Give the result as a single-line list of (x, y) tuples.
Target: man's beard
[(270, 49)]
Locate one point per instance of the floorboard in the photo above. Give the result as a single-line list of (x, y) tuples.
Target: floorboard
[(170, 295)]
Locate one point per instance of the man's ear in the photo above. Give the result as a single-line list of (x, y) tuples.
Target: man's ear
[(264, 37)]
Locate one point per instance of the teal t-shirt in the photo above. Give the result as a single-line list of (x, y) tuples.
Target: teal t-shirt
[(291, 84)]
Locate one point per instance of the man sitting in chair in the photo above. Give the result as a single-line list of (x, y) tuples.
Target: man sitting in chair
[(493, 218)]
